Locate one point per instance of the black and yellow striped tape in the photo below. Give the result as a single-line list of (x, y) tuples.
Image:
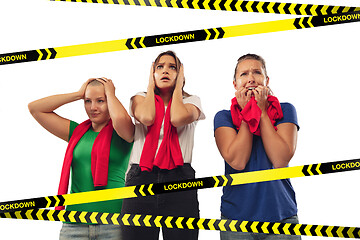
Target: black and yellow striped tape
[(185, 223), (233, 5), (178, 186), (180, 37)]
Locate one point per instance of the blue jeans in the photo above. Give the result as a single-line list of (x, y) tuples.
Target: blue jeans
[(71, 231), (260, 236)]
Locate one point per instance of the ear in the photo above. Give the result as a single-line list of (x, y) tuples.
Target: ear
[(234, 83), (267, 81)]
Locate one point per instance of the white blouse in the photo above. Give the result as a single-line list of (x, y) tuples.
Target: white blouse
[(185, 133)]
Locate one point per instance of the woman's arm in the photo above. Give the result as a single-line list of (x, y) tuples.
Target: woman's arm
[(143, 108), (121, 120), (234, 147), (43, 112), (180, 113), (279, 145)]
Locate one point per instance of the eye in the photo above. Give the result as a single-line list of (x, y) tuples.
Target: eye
[(173, 67), (258, 72), (243, 74), (101, 101), (87, 101), (159, 66)]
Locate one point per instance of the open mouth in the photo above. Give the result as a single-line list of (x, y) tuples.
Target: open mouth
[(251, 88), (165, 79)]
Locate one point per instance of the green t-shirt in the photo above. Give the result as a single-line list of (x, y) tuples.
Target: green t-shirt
[(81, 177)]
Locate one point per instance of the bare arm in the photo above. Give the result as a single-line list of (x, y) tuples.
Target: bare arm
[(43, 112), (121, 120), (180, 113), (234, 147), (143, 108), (279, 145)]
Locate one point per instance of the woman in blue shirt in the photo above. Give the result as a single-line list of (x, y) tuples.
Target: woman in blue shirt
[(258, 133)]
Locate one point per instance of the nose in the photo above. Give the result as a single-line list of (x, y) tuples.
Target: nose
[(251, 78), (93, 106)]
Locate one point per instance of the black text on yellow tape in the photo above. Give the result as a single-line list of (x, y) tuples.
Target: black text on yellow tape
[(181, 37), (185, 223), (233, 5), (178, 186)]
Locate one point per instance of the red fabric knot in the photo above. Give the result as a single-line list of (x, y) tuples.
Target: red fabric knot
[(251, 113), (169, 155)]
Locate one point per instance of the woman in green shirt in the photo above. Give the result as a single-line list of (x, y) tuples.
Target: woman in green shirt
[(105, 113)]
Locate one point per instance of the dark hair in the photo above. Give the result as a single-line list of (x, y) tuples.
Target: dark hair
[(252, 57), (178, 65)]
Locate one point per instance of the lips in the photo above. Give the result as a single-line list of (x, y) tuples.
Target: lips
[(165, 79)]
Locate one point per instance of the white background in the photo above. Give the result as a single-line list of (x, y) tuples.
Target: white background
[(317, 70)]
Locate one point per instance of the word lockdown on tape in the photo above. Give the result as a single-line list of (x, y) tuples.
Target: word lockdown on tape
[(185, 223), (177, 186), (175, 38)]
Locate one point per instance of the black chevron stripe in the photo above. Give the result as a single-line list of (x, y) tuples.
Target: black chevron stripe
[(178, 2), (222, 4), (77, 216), (291, 229), (313, 169), (53, 53), (229, 178), (137, 42), (306, 167), (195, 223), (243, 6), (190, 4), (254, 5), (270, 228), (287, 8), (61, 200), (307, 9), (276, 7), (302, 229), (341, 9), (318, 10), (297, 9), (136, 2), (323, 230), (201, 4), (211, 5), (306, 24), (281, 228), (45, 214), (108, 218), (232, 5)]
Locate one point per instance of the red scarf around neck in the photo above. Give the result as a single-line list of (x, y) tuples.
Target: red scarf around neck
[(251, 113), (99, 156), (169, 155)]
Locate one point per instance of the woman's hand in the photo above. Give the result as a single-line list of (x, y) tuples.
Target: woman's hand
[(151, 85), (81, 91), (180, 79), (261, 94), (108, 85), (243, 96)]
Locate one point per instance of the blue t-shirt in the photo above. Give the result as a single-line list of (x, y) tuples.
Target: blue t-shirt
[(266, 201)]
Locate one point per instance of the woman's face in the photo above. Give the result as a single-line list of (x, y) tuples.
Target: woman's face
[(96, 105), (250, 74), (165, 72)]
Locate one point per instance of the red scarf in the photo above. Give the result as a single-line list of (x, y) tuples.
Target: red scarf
[(169, 155), (251, 113), (99, 156)]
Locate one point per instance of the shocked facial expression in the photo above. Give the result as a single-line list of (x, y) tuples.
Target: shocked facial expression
[(96, 105), (165, 72), (250, 74)]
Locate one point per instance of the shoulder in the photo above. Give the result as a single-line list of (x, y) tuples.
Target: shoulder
[(72, 127), (290, 115), (223, 119), (194, 100)]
